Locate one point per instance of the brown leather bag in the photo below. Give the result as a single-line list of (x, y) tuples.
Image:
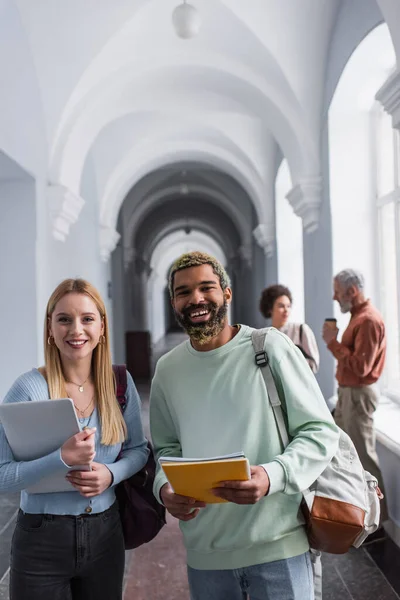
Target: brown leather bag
[(341, 508)]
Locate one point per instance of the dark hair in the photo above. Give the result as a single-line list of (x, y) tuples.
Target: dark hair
[(269, 296)]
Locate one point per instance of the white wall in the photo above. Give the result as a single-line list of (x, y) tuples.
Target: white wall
[(22, 133), (18, 316), (77, 256)]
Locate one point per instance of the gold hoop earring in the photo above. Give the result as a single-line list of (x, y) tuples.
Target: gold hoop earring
[(50, 343)]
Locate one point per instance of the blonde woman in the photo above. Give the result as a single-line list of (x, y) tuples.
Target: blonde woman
[(69, 545), (276, 304)]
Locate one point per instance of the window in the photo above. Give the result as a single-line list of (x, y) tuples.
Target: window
[(388, 207)]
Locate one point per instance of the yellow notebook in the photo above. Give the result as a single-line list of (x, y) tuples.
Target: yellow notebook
[(196, 477)]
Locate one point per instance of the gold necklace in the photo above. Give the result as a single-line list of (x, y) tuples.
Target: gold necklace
[(79, 385), (82, 411)]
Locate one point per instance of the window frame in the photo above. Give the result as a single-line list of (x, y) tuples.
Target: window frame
[(391, 386)]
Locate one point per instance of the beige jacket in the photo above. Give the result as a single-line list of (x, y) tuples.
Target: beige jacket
[(307, 342)]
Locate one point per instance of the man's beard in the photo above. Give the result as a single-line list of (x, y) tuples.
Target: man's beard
[(345, 306), (202, 333)]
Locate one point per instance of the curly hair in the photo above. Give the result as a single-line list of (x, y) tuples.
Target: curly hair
[(196, 259), (270, 295)]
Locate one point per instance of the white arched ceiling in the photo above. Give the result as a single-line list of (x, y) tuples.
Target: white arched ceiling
[(177, 213), (355, 20), (127, 58), (197, 191), (178, 227), (391, 13), (135, 167), (22, 124), (126, 93), (301, 56), (176, 243), (221, 76), (367, 70), (134, 139)]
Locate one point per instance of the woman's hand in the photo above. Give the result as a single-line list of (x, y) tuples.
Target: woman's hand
[(91, 483), (79, 449)]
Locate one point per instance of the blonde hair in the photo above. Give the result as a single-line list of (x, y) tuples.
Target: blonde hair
[(113, 427)]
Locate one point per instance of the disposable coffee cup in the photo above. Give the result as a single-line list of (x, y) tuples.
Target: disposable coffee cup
[(331, 323)]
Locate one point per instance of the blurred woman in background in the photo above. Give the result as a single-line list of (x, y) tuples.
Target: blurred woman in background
[(276, 304)]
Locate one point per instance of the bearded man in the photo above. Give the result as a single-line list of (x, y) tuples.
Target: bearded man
[(208, 398), (360, 360)]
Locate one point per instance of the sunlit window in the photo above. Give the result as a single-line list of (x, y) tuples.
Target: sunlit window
[(388, 207)]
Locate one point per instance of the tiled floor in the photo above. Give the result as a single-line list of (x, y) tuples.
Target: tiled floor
[(356, 576), (8, 513)]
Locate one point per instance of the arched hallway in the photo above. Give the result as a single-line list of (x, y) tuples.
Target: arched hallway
[(268, 138)]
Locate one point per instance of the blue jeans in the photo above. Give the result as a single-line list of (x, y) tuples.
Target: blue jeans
[(289, 579)]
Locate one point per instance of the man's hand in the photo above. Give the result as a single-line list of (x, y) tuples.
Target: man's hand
[(180, 507), (91, 483), (329, 333), (245, 492)]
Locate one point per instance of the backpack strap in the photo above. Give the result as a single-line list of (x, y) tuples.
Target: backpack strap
[(121, 383), (258, 337), (300, 346)]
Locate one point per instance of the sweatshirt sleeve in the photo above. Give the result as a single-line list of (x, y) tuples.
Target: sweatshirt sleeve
[(134, 450), (313, 433), (163, 433), (361, 359), (18, 475)]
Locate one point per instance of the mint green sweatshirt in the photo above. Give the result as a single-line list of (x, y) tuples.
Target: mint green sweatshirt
[(211, 403)]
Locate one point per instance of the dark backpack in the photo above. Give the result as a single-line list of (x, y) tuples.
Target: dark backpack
[(142, 516)]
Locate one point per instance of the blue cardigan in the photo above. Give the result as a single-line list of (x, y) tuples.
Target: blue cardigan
[(16, 476)]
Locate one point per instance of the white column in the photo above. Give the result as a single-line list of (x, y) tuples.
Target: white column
[(65, 208), (389, 97), (310, 200), (305, 199), (265, 236)]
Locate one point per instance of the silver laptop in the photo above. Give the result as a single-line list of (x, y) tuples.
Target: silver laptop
[(37, 428)]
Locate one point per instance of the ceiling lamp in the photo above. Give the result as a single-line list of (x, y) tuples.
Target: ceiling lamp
[(186, 21)]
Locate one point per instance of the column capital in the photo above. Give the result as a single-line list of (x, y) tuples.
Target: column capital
[(306, 198), (142, 266), (129, 256), (245, 253), (65, 208), (389, 96), (265, 237), (108, 241)]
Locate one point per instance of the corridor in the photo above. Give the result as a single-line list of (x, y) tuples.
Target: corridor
[(263, 133)]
